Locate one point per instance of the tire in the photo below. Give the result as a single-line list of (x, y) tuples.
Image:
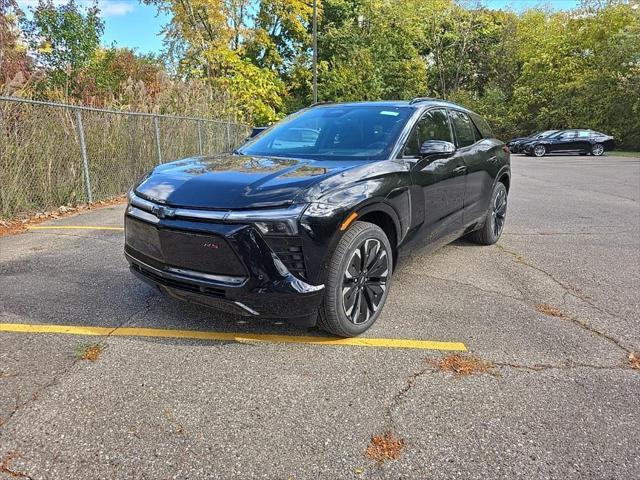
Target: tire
[(539, 150), (347, 283), (495, 218), (597, 149)]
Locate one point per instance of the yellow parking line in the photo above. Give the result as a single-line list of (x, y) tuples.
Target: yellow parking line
[(74, 227), (231, 336)]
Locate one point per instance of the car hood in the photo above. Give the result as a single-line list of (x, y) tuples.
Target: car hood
[(231, 181), (519, 139)]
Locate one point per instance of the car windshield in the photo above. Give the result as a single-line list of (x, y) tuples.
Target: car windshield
[(546, 134), (336, 132)]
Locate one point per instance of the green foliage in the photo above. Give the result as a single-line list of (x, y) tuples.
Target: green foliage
[(64, 39), (251, 59)]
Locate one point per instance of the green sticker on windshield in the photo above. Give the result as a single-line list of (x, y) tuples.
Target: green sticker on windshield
[(388, 112)]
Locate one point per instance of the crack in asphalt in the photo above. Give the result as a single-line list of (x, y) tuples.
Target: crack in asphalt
[(400, 394), (58, 234), (471, 285), (553, 234), (569, 290), (566, 366), (145, 309), (411, 380), (58, 376)]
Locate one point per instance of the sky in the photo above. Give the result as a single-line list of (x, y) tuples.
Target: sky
[(131, 24)]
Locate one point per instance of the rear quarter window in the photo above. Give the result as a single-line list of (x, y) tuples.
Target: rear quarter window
[(482, 125), (465, 130)]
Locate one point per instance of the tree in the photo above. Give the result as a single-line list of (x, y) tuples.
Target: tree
[(15, 67), (64, 40)]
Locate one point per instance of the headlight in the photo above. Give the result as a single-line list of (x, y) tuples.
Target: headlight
[(277, 228), (273, 221)]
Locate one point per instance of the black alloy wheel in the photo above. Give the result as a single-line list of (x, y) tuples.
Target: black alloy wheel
[(495, 218), (499, 212), (358, 280), (365, 281)]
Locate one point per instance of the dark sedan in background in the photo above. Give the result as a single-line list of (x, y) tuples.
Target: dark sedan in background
[(580, 141), (515, 144)]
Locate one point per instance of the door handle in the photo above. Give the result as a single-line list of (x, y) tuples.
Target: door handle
[(493, 159), (460, 170)]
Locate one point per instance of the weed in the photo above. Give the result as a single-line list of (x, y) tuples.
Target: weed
[(634, 360), (385, 447), (461, 366), (550, 310), (89, 352)]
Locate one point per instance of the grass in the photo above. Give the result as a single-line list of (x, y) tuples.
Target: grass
[(624, 154), (385, 447)]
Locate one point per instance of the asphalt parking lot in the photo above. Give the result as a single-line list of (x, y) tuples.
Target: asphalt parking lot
[(553, 310)]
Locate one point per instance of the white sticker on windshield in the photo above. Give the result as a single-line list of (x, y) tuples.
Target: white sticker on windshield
[(388, 112)]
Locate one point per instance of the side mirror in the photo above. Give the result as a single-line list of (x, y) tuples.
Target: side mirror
[(256, 130), (439, 148)]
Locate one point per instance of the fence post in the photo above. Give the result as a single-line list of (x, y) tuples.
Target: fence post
[(157, 129), (228, 135), (200, 135), (4, 205), (85, 160)]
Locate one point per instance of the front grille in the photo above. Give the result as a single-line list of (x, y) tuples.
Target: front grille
[(201, 252), (289, 250)]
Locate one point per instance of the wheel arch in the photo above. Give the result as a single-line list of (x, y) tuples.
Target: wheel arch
[(505, 178), (385, 217)]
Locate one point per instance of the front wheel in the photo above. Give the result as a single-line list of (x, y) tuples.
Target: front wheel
[(495, 218), (358, 280), (597, 149)]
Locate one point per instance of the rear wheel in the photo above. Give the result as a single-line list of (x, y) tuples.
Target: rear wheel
[(358, 280), (539, 150), (597, 149), (495, 218)]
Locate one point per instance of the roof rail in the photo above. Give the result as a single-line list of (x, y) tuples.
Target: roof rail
[(420, 99)]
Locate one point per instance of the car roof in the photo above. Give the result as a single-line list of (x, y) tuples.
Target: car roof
[(396, 103)]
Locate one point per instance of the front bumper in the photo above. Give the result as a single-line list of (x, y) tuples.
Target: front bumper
[(257, 284)]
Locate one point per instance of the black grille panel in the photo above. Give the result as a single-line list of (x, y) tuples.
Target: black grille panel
[(289, 250), (201, 252)]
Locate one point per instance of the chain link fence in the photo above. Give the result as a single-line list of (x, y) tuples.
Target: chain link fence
[(54, 154)]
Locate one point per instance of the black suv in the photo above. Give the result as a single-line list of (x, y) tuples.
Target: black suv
[(307, 220)]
